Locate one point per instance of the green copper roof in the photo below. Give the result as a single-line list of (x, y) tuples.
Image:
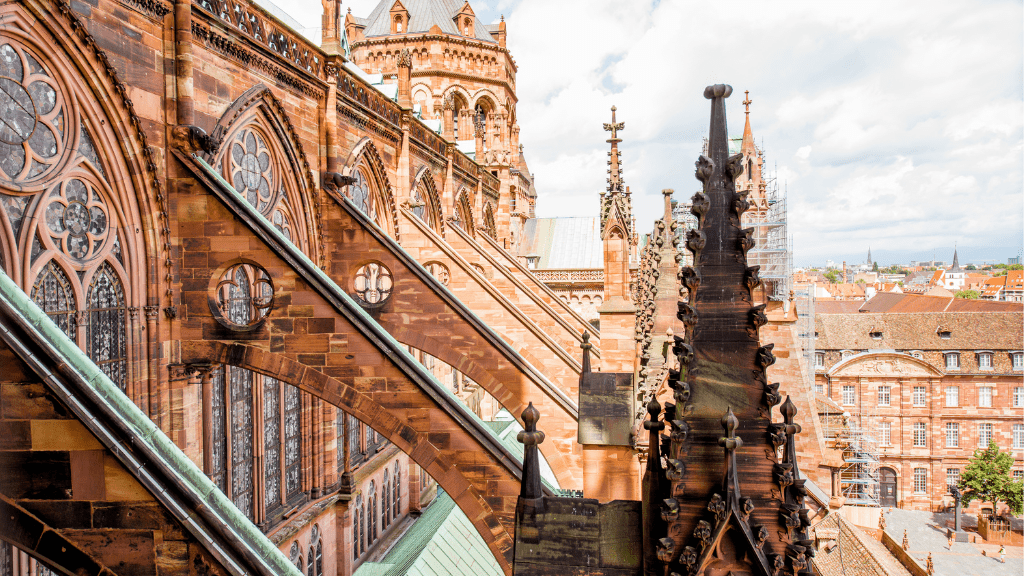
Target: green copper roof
[(442, 542)]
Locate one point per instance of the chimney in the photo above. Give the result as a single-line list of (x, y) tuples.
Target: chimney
[(405, 79)]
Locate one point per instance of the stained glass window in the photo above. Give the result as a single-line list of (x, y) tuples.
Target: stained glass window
[(398, 490), (359, 193), (295, 556), (292, 442), (385, 503), (107, 342), (219, 450), (252, 172), (271, 443), (53, 293), (245, 295), (241, 440), (353, 436), (77, 219), (316, 553), (372, 529)]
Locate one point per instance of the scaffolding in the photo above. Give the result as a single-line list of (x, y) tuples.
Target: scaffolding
[(858, 478), (772, 250), (803, 299)]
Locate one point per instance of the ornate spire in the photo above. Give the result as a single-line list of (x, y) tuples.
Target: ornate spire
[(617, 197), (956, 262), (748, 134)]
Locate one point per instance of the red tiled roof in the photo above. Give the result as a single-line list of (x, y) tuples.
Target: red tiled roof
[(890, 303), (837, 306)]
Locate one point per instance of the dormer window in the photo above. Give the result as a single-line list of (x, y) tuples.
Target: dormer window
[(876, 334), (397, 27), (467, 27), (1018, 360), (846, 354), (952, 360), (944, 332), (819, 359), (984, 360)]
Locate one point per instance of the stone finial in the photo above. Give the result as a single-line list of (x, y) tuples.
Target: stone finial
[(906, 543), (931, 565), (730, 423), (531, 438), (586, 346)]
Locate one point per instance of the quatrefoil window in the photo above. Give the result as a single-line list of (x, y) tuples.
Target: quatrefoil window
[(77, 219), (373, 284), (243, 296), (252, 171)]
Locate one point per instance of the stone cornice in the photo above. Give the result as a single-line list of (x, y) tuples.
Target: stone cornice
[(428, 37)]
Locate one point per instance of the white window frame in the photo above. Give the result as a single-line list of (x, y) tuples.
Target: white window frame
[(1018, 397), (952, 396), (920, 480), (952, 361), (819, 388), (852, 391), (952, 434), (1017, 360), (920, 432), (985, 361), (920, 396), (884, 395), (952, 477), (984, 396), (1018, 436), (819, 359), (885, 433), (984, 434)]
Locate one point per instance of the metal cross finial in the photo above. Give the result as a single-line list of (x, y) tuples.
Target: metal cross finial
[(747, 101), (614, 127)]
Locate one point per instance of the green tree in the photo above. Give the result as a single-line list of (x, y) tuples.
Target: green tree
[(987, 478), (1015, 267), (970, 267), (967, 294), (875, 267), (832, 276)]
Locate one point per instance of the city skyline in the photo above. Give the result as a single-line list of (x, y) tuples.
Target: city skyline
[(895, 126)]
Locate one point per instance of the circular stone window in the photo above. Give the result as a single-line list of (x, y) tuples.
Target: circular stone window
[(373, 284), (243, 296)]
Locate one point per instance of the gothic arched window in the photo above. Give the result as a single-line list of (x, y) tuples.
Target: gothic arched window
[(360, 194), (271, 443), (292, 441), (372, 529), (315, 566), (252, 171), (295, 556), (53, 293), (385, 504), (242, 481), (107, 342), (397, 492)]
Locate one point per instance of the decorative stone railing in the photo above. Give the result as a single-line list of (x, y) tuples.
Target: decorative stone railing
[(595, 275)]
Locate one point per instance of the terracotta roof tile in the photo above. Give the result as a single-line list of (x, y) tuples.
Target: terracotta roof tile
[(917, 331)]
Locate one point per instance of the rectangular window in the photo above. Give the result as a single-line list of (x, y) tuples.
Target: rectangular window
[(1018, 475), (885, 433), (819, 388), (883, 395), (920, 480), (919, 394), (920, 434), (952, 477), (952, 361), (952, 395), (952, 434), (1018, 397), (1018, 360), (849, 395), (1018, 436), (985, 361), (984, 435), (985, 396), (819, 359)]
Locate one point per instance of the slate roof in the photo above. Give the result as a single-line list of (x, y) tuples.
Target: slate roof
[(423, 15), (564, 243), (918, 331), (857, 554)]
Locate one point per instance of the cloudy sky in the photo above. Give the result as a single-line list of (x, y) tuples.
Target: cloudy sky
[(894, 125)]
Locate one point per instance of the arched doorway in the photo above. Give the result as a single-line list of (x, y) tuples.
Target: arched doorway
[(888, 485)]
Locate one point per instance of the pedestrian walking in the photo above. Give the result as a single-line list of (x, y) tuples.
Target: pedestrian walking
[(949, 537), (1002, 553)]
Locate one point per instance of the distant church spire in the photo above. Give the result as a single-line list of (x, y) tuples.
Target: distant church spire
[(869, 256), (748, 134), (956, 262)]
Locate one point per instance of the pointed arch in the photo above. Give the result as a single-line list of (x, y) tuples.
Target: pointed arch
[(83, 194), (364, 162), (293, 202), (425, 192), (463, 216), (114, 140), (489, 226)]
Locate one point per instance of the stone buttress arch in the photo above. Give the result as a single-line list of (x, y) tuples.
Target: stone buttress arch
[(464, 212)]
